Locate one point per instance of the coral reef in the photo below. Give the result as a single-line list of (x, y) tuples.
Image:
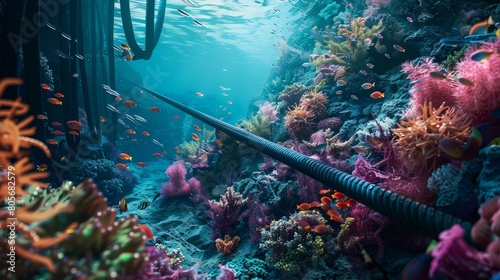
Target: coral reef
[(248, 268)]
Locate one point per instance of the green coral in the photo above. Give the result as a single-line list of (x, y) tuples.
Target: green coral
[(92, 245), (259, 125), (454, 58), (188, 148), (246, 269)]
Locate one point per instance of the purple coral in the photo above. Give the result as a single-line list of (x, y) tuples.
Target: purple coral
[(331, 123), (177, 184), (225, 212)]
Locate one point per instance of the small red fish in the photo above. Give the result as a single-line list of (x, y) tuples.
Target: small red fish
[(56, 123), (154, 109), (129, 103), (121, 165), (335, 216), (157, 155), (54, 101), (124, 156), (74, 133), (51, 142), (130, 131), (342, 205), (75, 125), (177, 150), (304, 224), (101, 119), (196, 128), (315, 204), (199, 94), (195, 137), (304, 206), (147, 232), (338, 195), (125, 46), (218, 142), (58, 95), (145, 133), (377, 95), (141, 164), (409, 19), (57, 132), (175, 117), (320, 229), (41, 117), (324, 192), (45, 87), (326, 200)]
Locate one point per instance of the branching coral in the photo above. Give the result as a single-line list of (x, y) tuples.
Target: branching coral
[(224, 213), (177, 184), (417, 138), (227, 245)]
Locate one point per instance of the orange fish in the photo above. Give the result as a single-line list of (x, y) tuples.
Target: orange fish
[(125, 156), (57, 132), (229, 102), (74, 133), (304, 224), (75, 125), (218, 142), (315, 204), (335, 216), (41, 117), (326, 200), (54, 101), (52, 142), (121, 165), (199, 94), (342, 205), (361, 150), (147, 232), (125, 46), (130, 131), (154, 109), (320, 229), (123, 205), (175, 117), (45, 87), (338, 195), (145, 133), (324, 192), (141, 164), (41, 167), (326, 206), (197, 127), (118, 98), (157, 154), (58, 95), (128, 56), (56, 123), (351, 202), (377, 95), (129, 103), (195, 137), (101, 119), (177, 150), (304, 206)]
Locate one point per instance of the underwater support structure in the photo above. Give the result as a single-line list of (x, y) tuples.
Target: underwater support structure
[(427, 220)]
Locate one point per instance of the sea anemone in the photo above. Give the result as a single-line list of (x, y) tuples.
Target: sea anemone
[(298, 121), (417, 138)]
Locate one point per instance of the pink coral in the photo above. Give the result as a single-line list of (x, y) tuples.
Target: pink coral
[(268, 109), (483, 98), (453, 258), (425, 88), (177, 184)]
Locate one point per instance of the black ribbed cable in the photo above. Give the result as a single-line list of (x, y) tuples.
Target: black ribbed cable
[(428, 220)]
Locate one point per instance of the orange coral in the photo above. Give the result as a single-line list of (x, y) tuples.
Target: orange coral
[(417, 138), (227, 245)]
